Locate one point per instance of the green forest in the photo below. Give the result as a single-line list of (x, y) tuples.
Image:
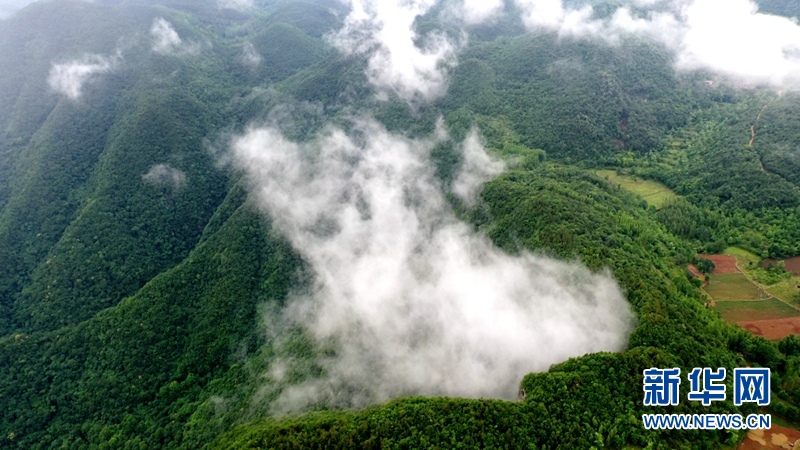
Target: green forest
[(140, 270)]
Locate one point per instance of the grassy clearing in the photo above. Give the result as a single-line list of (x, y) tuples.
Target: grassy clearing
[(731, 287), (786, 290), (653, 192), (743, 256), (771, 308)]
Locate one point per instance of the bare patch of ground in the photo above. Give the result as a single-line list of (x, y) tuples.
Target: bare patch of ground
[(723, 263), (773, 329), (777, 437)]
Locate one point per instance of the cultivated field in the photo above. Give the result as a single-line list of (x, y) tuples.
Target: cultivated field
[(772, 328), (763, 310), (653, 192), (786, 289), (724, 263), (733, 286), (749, 310)]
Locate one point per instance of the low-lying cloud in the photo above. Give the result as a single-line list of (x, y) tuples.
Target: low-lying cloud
[(385, 30), (411, 300), (238, 5), (167, 41), (477, 168), (250, 55), (9, 7), (479, 11), (736, 40), (166, 176), (731, 38), (69, 78)]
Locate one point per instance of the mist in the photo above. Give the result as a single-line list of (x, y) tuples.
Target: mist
[(405, 298), (69, 78), (479, 11), (385, 32), (166, 176), (9, 7), (411, 300), (167, 41), (730, 38), (238, 5)]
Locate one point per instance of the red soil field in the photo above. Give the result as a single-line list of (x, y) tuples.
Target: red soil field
[(772, 329), (774, 438), (792, 264), (723, 263)]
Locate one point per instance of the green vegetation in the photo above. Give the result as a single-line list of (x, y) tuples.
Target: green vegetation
[(744, 258), (787, 290), (131, 305), (654, 193), (770, 275), (776, 281)]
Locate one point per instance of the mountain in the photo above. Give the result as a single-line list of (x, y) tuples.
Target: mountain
[(282, 224)]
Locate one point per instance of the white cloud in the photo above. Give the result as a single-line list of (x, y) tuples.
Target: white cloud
[(165, 175), (250, 55), (730, 38), (167, 41), (736, 40), (412, 300), (384, 30), (479, 11), (238, 5), (478, 167), (542, 13), (661, 26), (69, 78)]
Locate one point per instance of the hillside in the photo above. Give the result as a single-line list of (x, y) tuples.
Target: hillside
[(279, 224)]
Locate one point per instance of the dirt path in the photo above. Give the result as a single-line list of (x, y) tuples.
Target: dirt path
[(753, 129), (753, 138)]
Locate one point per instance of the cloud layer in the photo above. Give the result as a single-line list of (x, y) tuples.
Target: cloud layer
[(731, 38), (479, 11), (238, 5), (412, 300), (385, 31), (69, 78)]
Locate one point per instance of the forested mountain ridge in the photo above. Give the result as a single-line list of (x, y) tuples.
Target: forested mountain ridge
[(142, 278)]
